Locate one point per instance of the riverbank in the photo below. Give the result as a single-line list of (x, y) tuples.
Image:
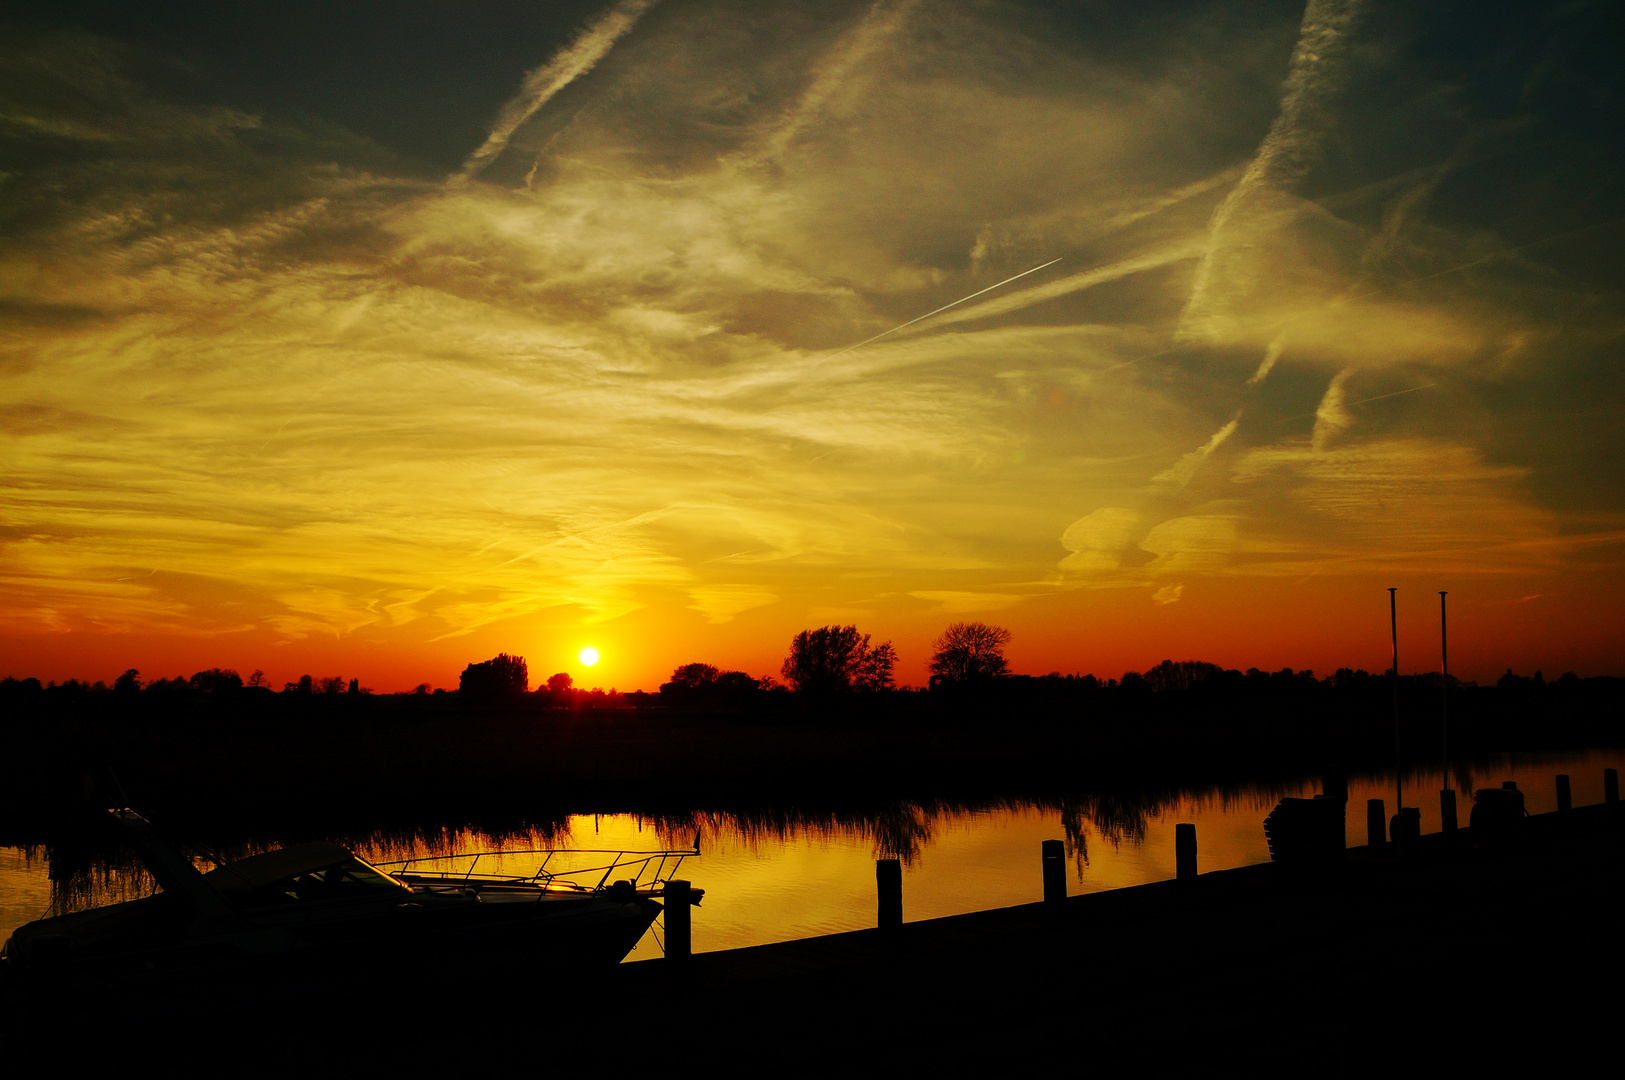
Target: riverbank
[(255, 763)]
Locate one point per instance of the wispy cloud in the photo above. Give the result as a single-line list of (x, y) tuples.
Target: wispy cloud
[(1291, 148), (260, 380), (541, 84), (1180, 473)]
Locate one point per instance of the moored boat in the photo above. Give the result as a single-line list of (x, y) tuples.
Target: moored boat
[(317, 917)]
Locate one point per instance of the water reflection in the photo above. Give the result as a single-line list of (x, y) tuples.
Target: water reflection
[(776, 873)]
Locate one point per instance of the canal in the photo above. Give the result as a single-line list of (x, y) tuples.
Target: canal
[(781, 874)]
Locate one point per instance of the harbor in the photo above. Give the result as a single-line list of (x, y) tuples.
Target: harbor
[(1440, 945)]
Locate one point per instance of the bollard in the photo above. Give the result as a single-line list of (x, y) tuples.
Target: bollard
[(679, 920), (1335, 785), (1054, 862), (1447, 811), (889, 881), (1610, 786), (1185, 852), (1376, 829), (1406, 826), (1565, 801)]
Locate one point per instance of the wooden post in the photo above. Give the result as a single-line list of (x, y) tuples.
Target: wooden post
[(1054, 863), (1406, 827), (1447, 811), (1185, 851), (1610, 786), (1565, 801), (889, 881), (1335, 786), (1444, 702), (1399, 771), (679, 920), (1376, 824)]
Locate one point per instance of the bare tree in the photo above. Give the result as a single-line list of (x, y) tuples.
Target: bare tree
[(969, 652)]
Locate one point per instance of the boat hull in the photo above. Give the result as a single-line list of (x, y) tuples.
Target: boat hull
[(273, 961)]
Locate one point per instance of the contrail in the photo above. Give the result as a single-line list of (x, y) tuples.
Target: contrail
[(1362, 401), (836, 72), (1084, 279), (541, 84), (941, 309), (1287, 153)]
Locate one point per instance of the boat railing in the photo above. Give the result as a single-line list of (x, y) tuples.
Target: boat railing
[(647, 870)]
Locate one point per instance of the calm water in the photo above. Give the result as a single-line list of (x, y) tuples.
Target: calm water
[(784, 877)]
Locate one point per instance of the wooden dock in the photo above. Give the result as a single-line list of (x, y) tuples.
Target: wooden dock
[(1385, 960)]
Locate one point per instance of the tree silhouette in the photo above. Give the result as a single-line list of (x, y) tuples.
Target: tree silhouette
[(500, 678), (216, 681), (1181, 674), (833, 659), (692, 676), (699, 684), (969, 652), (875, 670)]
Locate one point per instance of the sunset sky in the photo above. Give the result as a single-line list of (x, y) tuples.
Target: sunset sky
[(372, 339)]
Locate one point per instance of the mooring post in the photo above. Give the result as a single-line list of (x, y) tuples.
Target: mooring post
[(1054, 861), (1447, 810), (1565, 800), (1376, 823), (1335, 786), (1610, 786), (889, 882), (679, 920), (1406, 827), (1185, 851)]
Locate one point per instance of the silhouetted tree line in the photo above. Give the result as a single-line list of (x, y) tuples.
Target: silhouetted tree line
[(839, 660), (837, 674), (216, 744)]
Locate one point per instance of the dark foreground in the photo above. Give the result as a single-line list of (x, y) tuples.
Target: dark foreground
[(1450, 957), (1380, 964)]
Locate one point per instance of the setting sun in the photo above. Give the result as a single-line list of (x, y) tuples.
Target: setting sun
[(589, 656)]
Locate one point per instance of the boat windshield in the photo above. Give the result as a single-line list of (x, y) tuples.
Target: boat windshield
[(304, 873), (344, 881)]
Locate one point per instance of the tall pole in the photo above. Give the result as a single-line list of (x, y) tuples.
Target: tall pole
[(1399, 780), (1444, 689)]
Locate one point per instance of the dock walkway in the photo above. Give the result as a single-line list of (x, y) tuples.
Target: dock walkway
[(1383, 960)]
